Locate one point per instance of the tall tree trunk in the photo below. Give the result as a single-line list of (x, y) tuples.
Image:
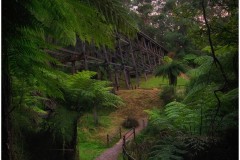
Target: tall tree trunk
[(172, 79), (6, 103), (95, 115), (75, 140)]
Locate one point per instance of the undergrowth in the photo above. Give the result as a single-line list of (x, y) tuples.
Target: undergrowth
[(89, 147), (92, 140)]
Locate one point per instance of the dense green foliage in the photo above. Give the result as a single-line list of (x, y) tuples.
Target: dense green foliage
[(41, 103), (204, 124), (56, 118), (171, 70), (197, 127), (167, 94)]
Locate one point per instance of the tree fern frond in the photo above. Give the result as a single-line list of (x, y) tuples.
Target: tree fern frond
[(205, 63), (168, 148), (61, 125)]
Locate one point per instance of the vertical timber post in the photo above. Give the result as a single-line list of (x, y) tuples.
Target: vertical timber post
[(85, 55), (124, 67), (134, 133), (73, 67), (154, 56), (116, 80), (142, 58), (160, 56), (120, 132), (107, 140), (134, 63), (148, 57), (107, 63), (145, 76)]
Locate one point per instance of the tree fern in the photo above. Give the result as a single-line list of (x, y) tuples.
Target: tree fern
[(31, 27), (61, 125), (170, 70), (168, 149), (205, 63), (87, 20), (90, 93)]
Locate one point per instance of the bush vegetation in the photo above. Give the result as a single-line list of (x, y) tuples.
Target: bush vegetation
[(130, 123)]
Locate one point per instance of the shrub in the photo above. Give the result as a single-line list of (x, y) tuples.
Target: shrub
[(130, 123)]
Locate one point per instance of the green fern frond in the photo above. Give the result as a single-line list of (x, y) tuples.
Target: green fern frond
[(168, 148), (61, 125), (205, 63)]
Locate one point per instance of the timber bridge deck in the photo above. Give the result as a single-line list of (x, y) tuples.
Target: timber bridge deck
[(131, 58)]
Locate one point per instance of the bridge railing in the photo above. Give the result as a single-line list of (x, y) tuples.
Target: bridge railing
[(126, 155), (117, 135), (178, 86), (125, 138)]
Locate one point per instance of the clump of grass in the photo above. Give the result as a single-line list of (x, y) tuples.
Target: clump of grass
[(90, 150)]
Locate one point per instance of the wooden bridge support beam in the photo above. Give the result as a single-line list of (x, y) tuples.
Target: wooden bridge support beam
[(157, 56), (73, 67), (147, 53), (154, 54), (123, 64), (134, 63), (108, 69), (116, 80), (85, 55), (143, 57), (138, 57), (129, 79)]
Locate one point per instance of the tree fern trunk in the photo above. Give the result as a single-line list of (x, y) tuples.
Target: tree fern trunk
[(95, 115), (75, 140), (6, 103), (172, 79)]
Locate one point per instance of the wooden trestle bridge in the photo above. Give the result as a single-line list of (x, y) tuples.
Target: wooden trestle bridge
[(131, 58)]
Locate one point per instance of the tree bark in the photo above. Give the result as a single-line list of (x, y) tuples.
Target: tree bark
[(172, 80), (6, 103), (95, 115)]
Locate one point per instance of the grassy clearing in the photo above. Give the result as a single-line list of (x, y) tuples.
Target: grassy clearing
[(156, 82), (152, 82)]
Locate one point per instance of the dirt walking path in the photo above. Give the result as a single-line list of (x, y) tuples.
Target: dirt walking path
[(136, 102)]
